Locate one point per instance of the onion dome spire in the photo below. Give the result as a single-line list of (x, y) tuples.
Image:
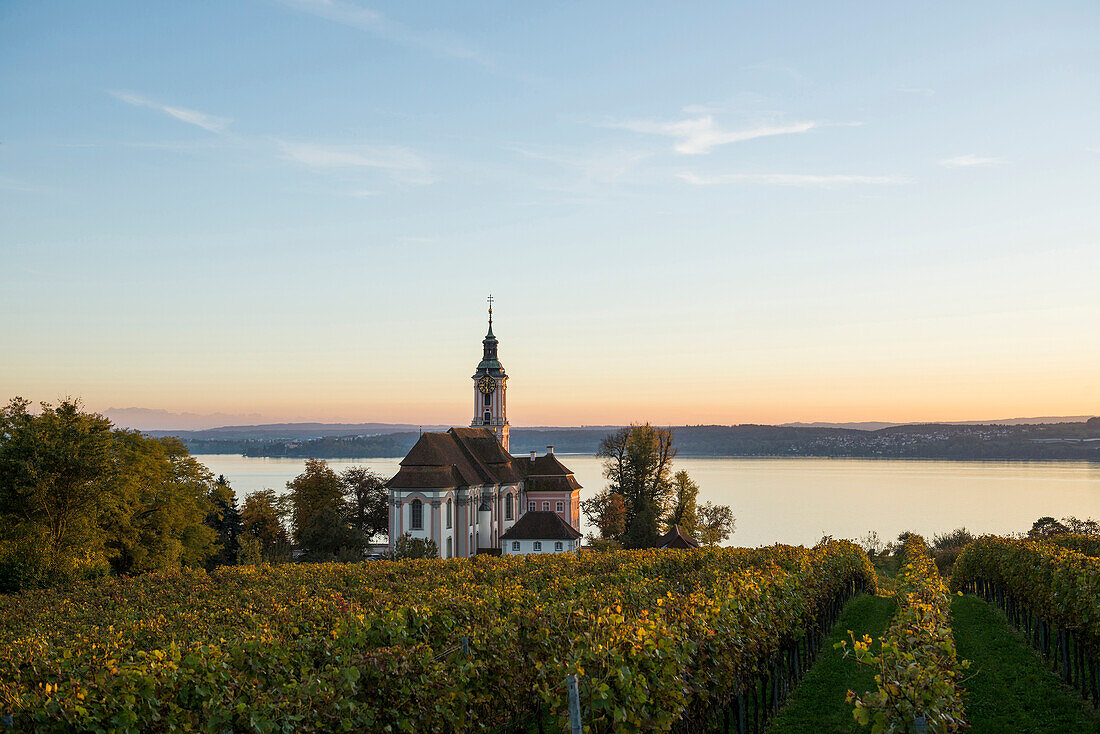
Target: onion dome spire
[(489, 359)]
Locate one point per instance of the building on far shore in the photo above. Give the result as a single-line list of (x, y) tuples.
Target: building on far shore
[(464, 491)]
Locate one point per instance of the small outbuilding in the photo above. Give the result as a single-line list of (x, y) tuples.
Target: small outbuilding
[(540, 532), (677, 538)]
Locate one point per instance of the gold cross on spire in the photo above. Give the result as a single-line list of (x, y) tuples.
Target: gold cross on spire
[(490, 299)]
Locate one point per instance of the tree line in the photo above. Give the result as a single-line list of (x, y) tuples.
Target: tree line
[(80, 498)]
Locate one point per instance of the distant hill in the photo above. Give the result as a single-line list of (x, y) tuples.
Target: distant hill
[(295, 431), (876, 425), (1071, 440)]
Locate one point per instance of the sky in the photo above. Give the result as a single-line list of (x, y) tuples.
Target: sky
[(707, 212)]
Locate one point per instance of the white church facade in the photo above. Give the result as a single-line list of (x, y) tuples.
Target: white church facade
[(463, 490)]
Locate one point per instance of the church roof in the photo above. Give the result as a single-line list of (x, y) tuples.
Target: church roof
[(461, 457), (546, 473), (534, 525), (677, 538)]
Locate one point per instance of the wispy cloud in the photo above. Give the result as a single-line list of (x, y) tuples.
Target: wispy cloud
[(403, 163), (191, 117), (699, 135), (355, 16), (788, 179), (601, 166), (969, 160), (922, 91)]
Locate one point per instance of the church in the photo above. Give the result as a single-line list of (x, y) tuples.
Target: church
[(463, 489)]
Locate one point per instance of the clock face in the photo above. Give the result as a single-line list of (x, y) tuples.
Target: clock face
[(486, 384)]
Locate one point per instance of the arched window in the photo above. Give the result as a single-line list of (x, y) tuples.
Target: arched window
[(448, 516), (488, 418), (509, 513), (449, 546), (417, 515), (488, 399)]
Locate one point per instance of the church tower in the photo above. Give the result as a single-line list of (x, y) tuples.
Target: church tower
[(490, 388)]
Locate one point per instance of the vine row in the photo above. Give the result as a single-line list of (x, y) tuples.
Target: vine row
[(918, 671), (1050, 593)]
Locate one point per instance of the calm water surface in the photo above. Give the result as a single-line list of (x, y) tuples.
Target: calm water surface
[(799, 500)]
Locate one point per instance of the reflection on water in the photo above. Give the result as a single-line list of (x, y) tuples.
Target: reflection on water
[(799, 500)]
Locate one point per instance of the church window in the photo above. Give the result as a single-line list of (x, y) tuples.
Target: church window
[(515, 546), (558, 547), (448, 516), (546, 507), (508, 512), (488, 418), (488, 399), (538, 546), (561, 506), (449, 546), (417, 515)]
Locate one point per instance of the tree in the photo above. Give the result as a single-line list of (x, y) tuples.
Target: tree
[(367, 501), (947, 547), (261, 520), (607, 511), (958, 539), (871, 543), (318, 512), (716, 523), (410, 547), (77, 495), (1082, 527), (637, 463), (644, 495), (53, 470), (1045, 527), (225, 520), (158, 504), (685, 495)]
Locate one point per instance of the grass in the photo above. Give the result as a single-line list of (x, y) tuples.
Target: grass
[(818, 705), (1008, 688)]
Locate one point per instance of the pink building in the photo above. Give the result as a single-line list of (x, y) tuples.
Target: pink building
[(463, 490)]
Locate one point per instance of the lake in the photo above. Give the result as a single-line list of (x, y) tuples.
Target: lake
[(796, 501)]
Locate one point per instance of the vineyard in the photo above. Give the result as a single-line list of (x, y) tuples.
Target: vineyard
[(659, 640), (702, 640)]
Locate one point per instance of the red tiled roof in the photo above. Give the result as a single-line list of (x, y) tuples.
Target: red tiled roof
[(463, 457), (534, 525), (545, 473), (677, 538)]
